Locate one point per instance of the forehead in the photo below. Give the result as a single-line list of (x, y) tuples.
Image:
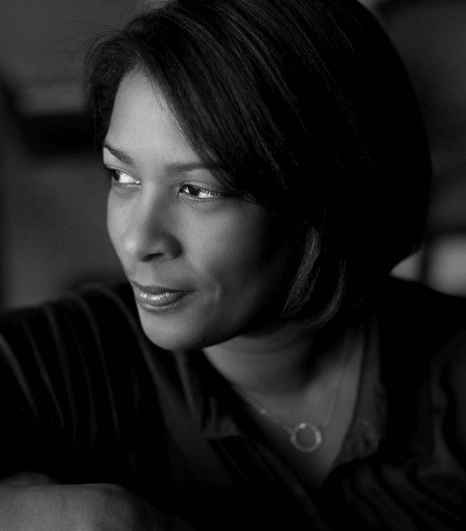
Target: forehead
[(142, 122)]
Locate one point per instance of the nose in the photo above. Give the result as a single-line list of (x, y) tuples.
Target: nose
[(145, 230)]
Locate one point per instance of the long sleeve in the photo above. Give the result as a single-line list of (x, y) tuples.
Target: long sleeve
[(70, 376)]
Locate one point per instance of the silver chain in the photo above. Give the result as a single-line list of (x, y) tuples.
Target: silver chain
[(299, 430)]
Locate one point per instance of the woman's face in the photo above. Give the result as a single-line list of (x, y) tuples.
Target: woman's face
[(203, 265)]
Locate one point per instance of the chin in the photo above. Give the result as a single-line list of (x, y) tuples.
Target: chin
[(171, 334), (172, 342)]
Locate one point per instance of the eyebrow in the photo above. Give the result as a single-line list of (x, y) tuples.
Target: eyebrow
[(173, 167), (117, 153)]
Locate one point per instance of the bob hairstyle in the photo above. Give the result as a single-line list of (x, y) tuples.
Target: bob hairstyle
[(302, 106)]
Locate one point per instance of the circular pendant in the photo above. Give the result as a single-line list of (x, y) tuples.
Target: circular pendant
[(306, 437)]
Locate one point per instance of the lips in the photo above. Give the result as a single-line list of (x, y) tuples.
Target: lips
[(156, 298)]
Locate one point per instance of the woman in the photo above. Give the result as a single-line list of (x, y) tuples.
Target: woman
[(268, 169)]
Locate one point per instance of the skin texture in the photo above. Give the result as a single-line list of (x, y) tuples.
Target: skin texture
[(168, 233), (32, 503)]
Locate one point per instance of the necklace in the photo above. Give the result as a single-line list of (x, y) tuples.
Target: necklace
[(306, 436)]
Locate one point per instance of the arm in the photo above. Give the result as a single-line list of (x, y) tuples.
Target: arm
[(71, 376), (36, 504)]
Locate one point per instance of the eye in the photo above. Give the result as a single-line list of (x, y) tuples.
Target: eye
[(121, 179), (197, 193)]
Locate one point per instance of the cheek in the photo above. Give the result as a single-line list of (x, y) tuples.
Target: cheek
[(237, 253), (111, 229), (115, 225)]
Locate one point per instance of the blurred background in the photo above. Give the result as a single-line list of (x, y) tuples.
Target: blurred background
[(52, 187), (53, 190)]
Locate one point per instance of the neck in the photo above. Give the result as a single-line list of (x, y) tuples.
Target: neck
[(283, 359)]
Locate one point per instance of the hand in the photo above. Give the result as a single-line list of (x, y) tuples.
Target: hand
[(26, 505)]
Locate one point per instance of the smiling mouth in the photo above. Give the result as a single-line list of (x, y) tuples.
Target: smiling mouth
[(158, 298)]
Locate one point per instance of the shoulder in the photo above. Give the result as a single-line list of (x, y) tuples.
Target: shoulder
[(96, 319), (413, 309), (422, 340), (397, 290), (419, 326), (91, 302)]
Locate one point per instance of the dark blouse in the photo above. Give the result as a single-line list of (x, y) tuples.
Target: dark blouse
[(85, 397)]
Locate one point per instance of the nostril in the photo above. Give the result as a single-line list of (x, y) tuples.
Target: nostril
[(145, 247)]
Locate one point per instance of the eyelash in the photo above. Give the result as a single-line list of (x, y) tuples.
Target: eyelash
[(114, 176), (200, 190), (193, 188)]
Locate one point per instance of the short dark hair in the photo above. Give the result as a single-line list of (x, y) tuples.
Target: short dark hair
[(302, 105)]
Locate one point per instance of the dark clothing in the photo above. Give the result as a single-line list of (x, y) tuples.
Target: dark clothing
[(85, 397)]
